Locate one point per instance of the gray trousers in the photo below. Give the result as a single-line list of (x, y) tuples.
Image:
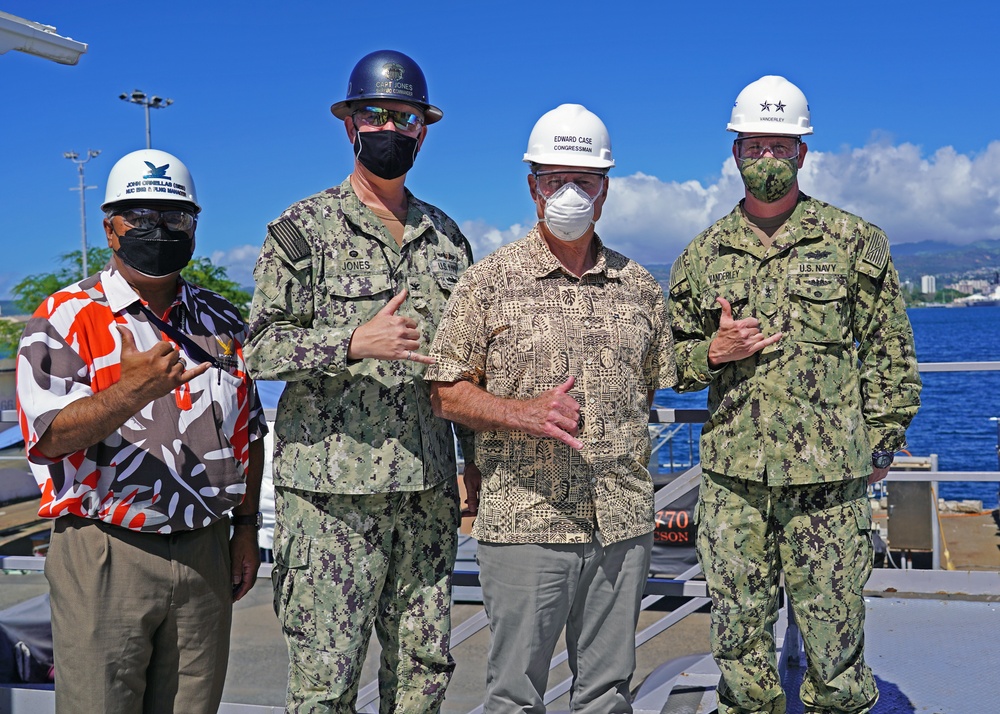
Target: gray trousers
[(531, 592)]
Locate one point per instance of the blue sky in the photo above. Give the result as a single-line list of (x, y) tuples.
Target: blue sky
[(903, 99)]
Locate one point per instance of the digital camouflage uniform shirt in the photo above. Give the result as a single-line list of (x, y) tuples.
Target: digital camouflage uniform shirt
[(841, 382), (519, 324), (326, 267)]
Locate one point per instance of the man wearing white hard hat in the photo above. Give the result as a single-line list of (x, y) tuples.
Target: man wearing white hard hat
[(551, 349), (789, 311), (145, 435)]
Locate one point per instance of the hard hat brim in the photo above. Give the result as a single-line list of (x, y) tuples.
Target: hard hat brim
[(763, 127), (138, 202), (567, 159)]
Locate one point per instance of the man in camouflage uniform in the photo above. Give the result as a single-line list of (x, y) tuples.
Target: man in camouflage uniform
[(551, 349), (789, 311), (350, 285)]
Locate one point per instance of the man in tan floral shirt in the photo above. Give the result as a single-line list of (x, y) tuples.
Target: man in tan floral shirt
[(551, 349)]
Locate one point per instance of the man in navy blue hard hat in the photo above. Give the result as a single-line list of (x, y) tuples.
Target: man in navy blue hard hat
[(351, 283)]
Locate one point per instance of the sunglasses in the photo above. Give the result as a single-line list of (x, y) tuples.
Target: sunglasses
[(147, 218), (378, 117)]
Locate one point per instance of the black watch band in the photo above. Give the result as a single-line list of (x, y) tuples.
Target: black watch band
[(256, 520), (883, 459)]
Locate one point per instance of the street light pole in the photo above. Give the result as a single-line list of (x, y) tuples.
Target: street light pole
[(82, 188), (140, 98)]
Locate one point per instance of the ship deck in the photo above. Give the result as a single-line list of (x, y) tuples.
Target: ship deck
[(931, 634), (931, 640)]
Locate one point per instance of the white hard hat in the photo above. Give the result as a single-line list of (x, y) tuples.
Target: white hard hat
[(771, 105), (570, 135), (149, 175)]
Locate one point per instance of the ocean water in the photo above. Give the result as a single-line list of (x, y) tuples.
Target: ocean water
[(954, 420)]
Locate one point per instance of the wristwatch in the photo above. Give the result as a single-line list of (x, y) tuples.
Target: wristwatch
[(256, 520), (883, 459)]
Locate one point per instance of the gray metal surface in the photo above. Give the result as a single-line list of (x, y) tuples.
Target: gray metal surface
[(941, 655), (959, 366), (977, 585), (912, 515)]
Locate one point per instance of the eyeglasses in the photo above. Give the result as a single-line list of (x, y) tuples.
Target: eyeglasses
[(378, 117), (591, 182), (754, 147), (147, 218)]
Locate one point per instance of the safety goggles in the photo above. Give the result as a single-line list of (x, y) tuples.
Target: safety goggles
[(379, 117), (590, 182), (754, 147), (146, 218)]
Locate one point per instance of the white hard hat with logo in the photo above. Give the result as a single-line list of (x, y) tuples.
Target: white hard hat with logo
[(150, 175), (570, 135), (771, 105)]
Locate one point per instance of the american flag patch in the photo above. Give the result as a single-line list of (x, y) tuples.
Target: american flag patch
[(286, 234), (876, 248)]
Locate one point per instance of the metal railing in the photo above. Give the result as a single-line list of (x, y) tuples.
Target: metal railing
[(666, 424)]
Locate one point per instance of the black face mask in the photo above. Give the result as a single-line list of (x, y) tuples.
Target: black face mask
[(156, 252), (387, 154)]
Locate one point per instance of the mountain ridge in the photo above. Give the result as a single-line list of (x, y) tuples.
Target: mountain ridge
[(946, 261)]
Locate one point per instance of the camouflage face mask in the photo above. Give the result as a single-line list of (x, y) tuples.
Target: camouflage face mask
[(767, 178)]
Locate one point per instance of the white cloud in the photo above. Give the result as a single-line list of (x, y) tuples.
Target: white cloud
[(486, 238), (945, 196), (238, 262), (652, 220)]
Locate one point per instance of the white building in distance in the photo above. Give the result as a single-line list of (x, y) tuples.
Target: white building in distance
[(968, 287)]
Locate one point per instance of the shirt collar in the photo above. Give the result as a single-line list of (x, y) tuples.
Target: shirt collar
[(544, 262), (121, 295), (801, 225), (360, 215)]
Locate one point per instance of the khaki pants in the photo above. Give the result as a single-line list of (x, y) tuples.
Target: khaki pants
[(140, 622)]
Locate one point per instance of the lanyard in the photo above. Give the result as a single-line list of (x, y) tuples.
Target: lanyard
[(193, 349)]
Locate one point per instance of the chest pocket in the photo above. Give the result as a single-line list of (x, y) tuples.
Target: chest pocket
[(358, 286), (817, 308), (355, 295), (224, 389), (444, 270), (430, 293), (736, 293), (634, 334)]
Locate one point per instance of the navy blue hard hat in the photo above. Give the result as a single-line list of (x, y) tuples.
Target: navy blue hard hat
[(387, 74)]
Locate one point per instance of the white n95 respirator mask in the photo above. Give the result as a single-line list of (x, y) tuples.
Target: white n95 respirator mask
[(569, 212)]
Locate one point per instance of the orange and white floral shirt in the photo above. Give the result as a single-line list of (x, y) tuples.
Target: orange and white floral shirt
[(178, 464)]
